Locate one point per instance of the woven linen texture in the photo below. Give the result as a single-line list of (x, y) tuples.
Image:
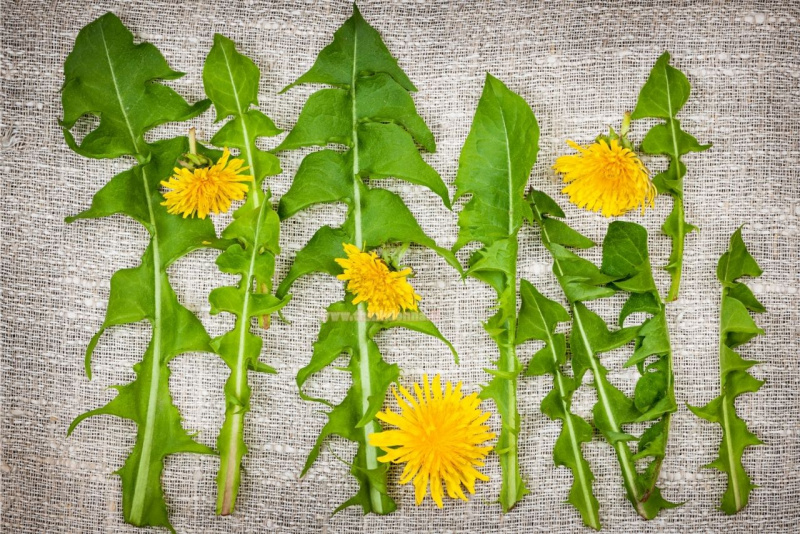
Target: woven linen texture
[(580, 66)]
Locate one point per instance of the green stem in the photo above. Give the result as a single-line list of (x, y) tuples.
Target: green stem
[(626, 125), (192, 141), (370, 452), (230, 462), (509, 363), (143, 469)]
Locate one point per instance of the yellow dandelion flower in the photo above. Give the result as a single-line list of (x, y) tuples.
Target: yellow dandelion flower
[(607, 177), (439, 437), (386, 292), (206, 189)]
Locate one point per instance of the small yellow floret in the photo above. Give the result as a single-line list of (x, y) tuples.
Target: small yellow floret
[(386, 292), (606, 177), (206, 189), (439, 437)]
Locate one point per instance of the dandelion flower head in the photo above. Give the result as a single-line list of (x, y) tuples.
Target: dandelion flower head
[(440, 436), (201, 190), (607, 177), (386, 292)]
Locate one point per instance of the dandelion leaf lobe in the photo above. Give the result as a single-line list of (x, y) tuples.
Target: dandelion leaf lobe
[(357, 48), (101, 80), (500, 149)]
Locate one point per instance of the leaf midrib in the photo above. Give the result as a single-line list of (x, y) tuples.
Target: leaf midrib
[(673, 113), (240, 370), (509, 170), (512, 321), (370, 452), (732, 478), (620, 446), (140, 484), (678, 199)]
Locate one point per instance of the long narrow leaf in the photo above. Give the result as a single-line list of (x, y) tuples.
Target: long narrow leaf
[(736, 328), (538, 317), (493, 169), (107, 75), (370, 111), (231, 81), (662, 97)]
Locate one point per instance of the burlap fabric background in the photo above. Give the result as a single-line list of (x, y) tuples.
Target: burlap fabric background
[(580, 66)]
